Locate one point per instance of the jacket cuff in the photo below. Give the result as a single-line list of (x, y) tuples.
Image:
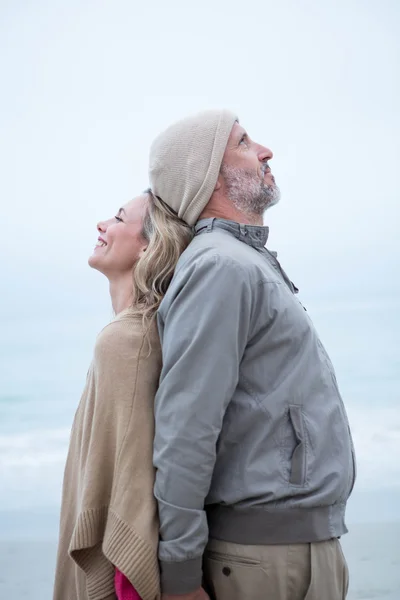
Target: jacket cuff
[(181, 577)]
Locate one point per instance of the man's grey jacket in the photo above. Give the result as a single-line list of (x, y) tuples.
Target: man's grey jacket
[(252, 440)]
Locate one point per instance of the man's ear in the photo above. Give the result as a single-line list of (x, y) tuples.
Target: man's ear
[(218, 185)]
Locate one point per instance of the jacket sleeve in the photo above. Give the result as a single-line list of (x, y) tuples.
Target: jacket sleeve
[(204, 325)]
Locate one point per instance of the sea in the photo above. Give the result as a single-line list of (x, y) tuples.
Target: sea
[(43, 365)]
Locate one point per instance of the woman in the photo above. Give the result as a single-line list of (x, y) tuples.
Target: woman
[(108, 527)]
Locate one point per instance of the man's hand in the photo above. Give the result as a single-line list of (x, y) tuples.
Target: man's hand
[(199, 594)]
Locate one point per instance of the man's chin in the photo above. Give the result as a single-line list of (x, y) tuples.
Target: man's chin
[(274, 198), (273, 203)]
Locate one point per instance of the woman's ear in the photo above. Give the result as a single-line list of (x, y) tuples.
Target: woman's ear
[(142, 251)]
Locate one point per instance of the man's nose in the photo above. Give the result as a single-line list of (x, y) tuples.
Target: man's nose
[(265, 153)]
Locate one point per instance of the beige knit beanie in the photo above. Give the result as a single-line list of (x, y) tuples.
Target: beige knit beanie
[(185, 161)]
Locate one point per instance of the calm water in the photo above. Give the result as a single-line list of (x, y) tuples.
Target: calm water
[(43, 365)]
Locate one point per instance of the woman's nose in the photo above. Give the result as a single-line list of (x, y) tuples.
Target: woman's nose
[(101, 227)]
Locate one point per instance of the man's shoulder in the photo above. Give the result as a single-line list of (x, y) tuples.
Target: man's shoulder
[(218, 248), (213, 264)]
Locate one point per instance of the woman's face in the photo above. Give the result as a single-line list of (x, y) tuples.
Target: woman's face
[(120, 242)]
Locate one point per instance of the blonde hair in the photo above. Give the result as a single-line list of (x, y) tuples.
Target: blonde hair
[(167, 237)]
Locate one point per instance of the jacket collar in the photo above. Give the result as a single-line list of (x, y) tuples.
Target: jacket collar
[(253, 235)]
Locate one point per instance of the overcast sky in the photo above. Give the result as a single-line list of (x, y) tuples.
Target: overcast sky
[(86, 85)]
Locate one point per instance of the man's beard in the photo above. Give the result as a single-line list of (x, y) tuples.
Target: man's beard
[(248, 192)]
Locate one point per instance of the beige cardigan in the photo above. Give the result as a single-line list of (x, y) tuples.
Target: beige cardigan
[(109, 514)]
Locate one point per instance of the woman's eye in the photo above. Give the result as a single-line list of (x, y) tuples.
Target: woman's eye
[(118, 219), (243, 140)]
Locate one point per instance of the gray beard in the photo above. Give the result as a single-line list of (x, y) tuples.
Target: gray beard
[(247, 192)]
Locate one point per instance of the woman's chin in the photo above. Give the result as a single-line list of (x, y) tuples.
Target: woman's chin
[(94, 262)]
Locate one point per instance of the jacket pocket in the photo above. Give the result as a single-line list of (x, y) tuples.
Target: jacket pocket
[(298, 463), (354, 468)]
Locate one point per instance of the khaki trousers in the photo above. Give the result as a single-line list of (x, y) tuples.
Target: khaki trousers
[(316, 571)]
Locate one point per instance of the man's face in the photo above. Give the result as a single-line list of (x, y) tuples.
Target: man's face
[(246, 173)]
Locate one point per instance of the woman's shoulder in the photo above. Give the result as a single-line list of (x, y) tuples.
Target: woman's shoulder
[(128, 335)]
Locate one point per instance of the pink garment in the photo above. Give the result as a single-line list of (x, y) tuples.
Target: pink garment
[(123, 587)]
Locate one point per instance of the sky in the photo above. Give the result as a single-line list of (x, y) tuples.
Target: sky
[(87, 85)]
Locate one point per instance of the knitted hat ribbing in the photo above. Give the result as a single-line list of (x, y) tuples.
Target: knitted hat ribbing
[(185, 161)]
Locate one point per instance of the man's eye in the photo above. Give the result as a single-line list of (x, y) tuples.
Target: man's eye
[(118, 219), (243, 140)]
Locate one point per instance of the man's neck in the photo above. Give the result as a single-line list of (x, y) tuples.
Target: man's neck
[(231, 214)]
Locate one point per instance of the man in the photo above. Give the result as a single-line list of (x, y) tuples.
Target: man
[(253, 451)]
